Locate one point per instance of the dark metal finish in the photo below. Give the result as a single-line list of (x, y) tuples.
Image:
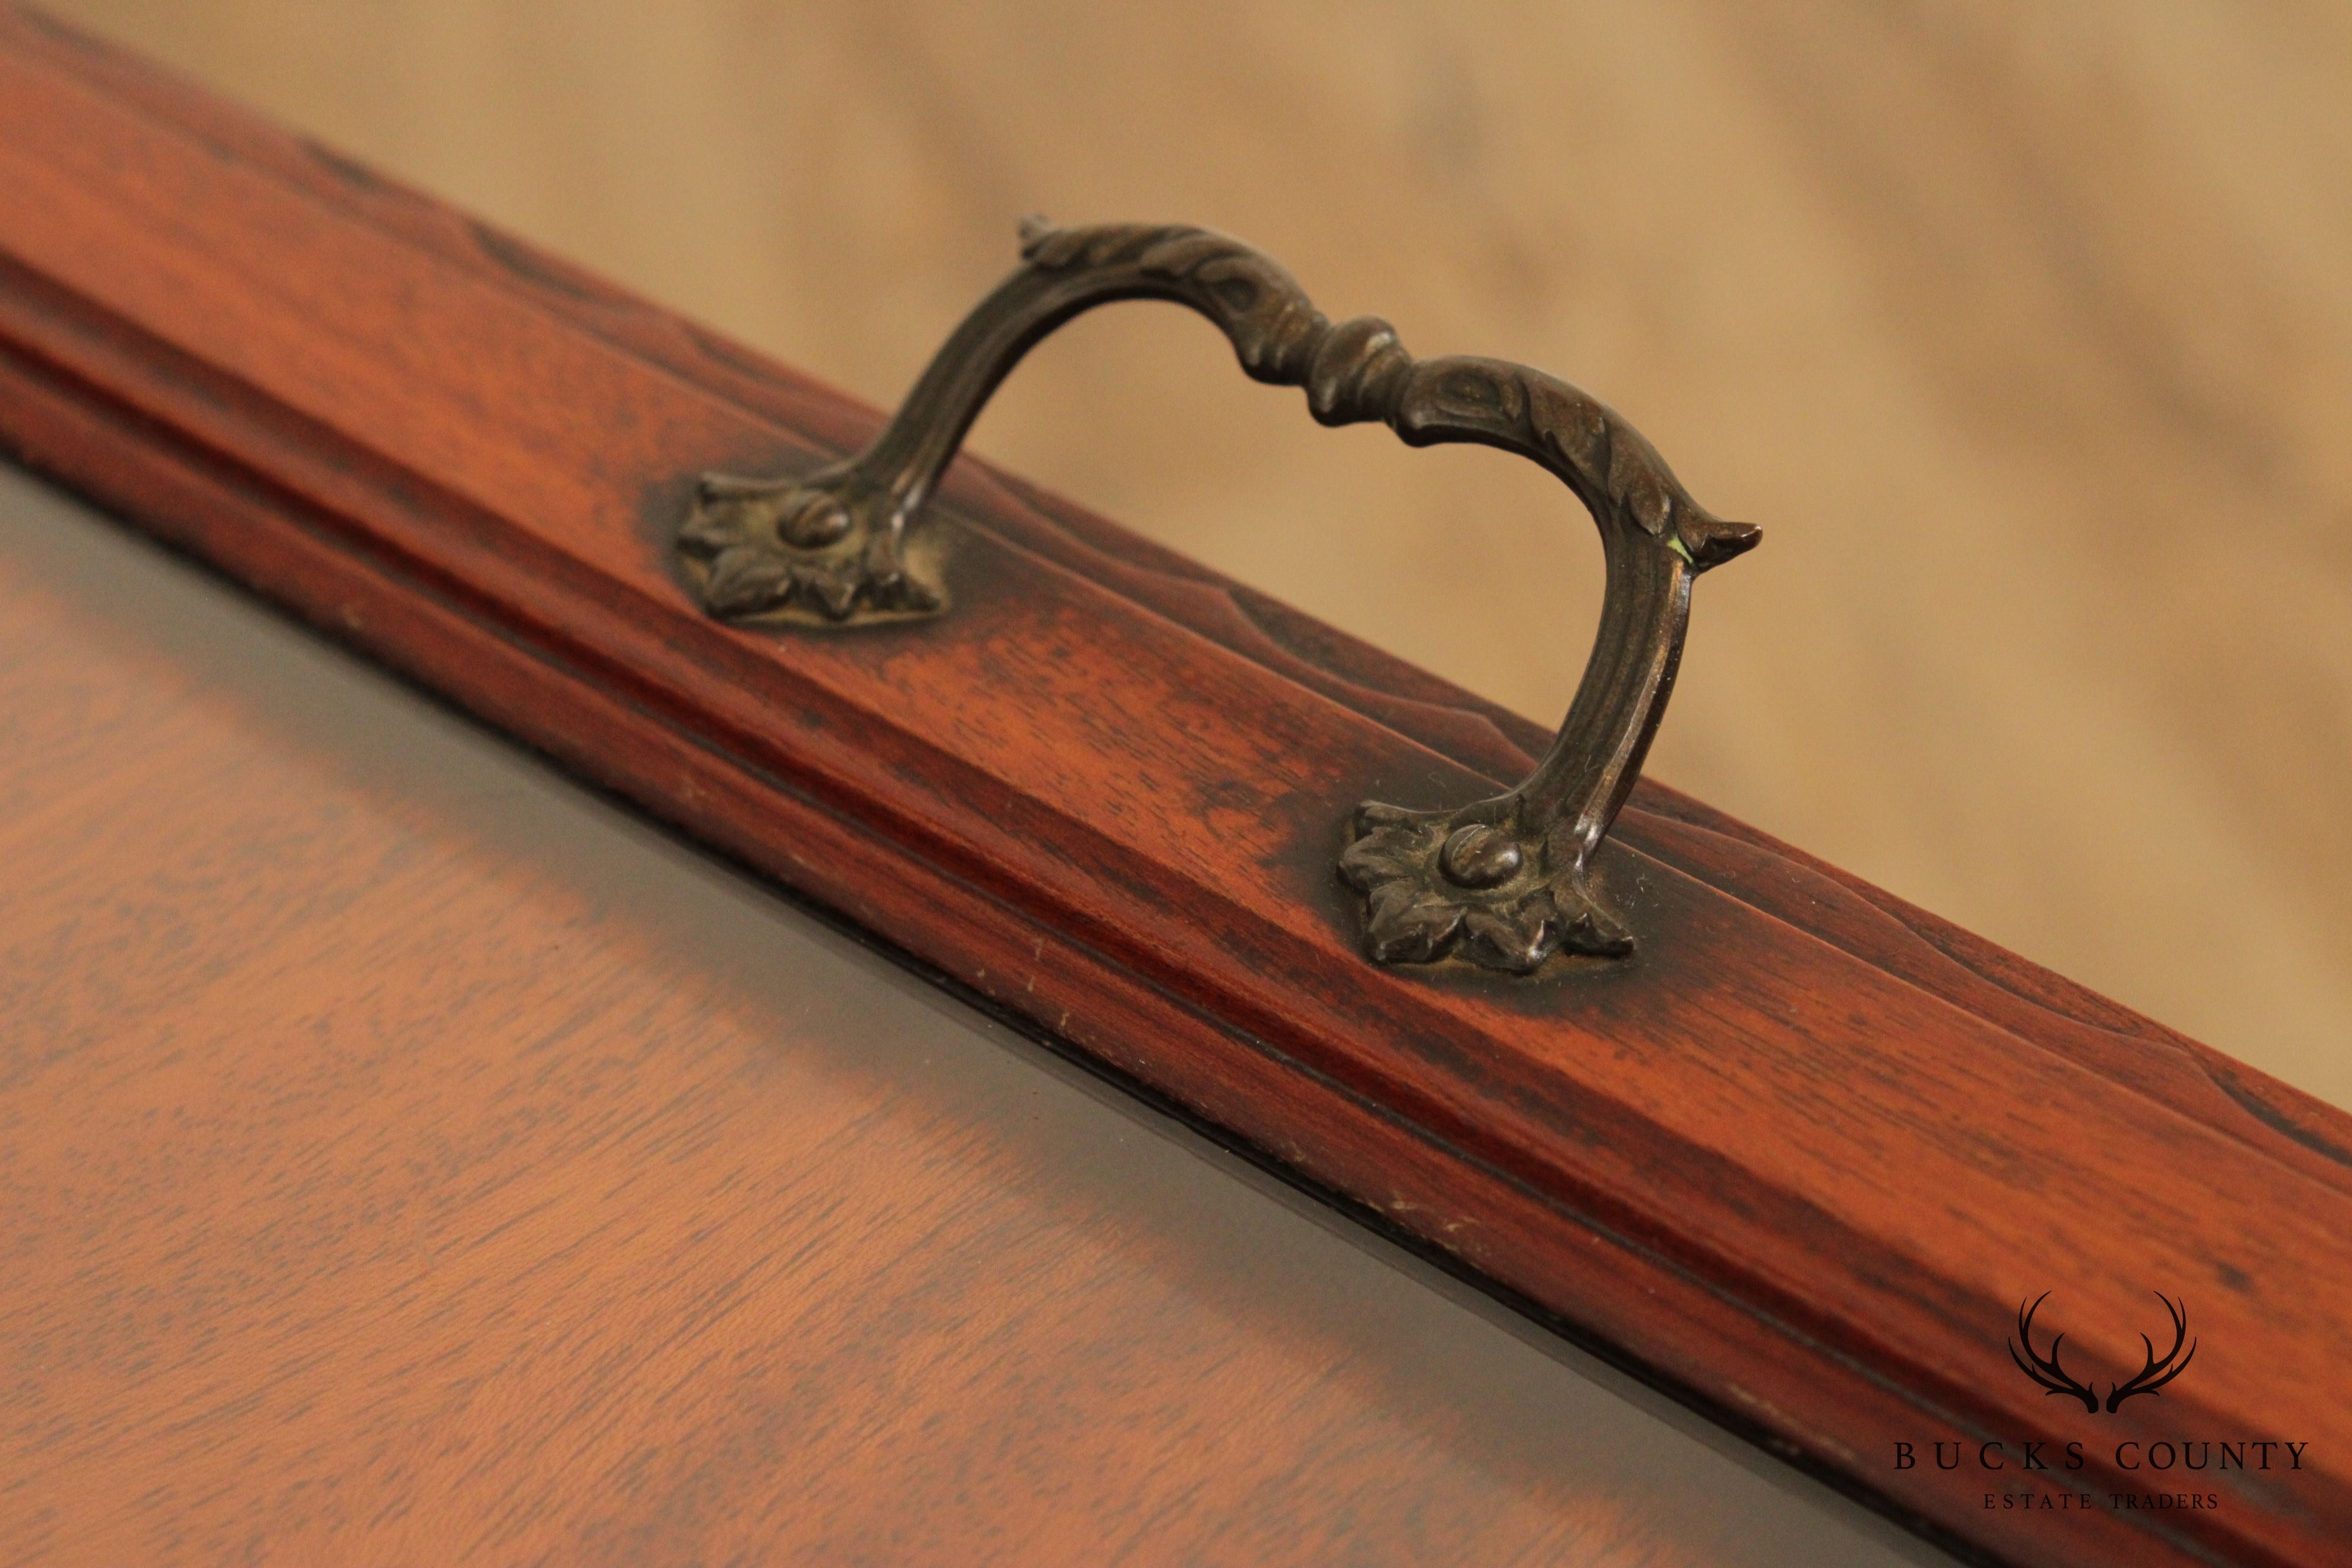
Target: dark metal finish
[(1504, 882)]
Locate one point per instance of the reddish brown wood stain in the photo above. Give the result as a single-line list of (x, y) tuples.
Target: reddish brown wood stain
[(393, 1174), (1801, 1157)]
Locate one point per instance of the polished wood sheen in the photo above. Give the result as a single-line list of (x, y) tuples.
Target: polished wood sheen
[(1797, 1161), (2024, 328), (412, 1159)]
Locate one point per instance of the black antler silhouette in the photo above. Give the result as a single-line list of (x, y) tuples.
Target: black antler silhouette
[(2053, 1377), (2147, 1381)]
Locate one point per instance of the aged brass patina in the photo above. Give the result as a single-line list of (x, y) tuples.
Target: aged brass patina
[(1504, 882)]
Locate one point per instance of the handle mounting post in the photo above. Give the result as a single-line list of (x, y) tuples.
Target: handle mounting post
[(1504, 883)]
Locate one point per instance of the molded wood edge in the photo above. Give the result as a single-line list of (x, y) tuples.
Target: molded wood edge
[(558, 651)]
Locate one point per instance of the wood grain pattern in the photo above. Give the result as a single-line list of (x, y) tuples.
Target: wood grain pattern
[(2024, 329), (411, 1161), (1798, 1160)]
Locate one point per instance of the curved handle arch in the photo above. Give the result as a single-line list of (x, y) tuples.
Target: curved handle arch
[(1502, 882)]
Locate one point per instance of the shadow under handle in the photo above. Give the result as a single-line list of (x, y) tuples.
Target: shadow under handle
[(1502, 882)]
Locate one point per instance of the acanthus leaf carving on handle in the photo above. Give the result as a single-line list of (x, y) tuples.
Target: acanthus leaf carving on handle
[(1504, 882)]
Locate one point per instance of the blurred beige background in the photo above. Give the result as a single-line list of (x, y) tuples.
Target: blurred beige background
[(2025, 330)]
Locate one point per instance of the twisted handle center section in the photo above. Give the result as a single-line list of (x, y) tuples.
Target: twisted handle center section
[(1504, 882)]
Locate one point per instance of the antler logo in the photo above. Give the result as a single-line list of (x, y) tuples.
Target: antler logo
[(2055, 1379)]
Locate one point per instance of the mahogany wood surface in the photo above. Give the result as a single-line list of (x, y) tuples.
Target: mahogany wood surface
[(1797, 1161), (411, 1158)]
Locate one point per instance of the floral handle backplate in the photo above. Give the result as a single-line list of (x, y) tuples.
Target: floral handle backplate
[(1504, 882)]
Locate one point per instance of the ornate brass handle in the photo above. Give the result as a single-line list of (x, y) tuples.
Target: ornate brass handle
[(1502, 882)]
